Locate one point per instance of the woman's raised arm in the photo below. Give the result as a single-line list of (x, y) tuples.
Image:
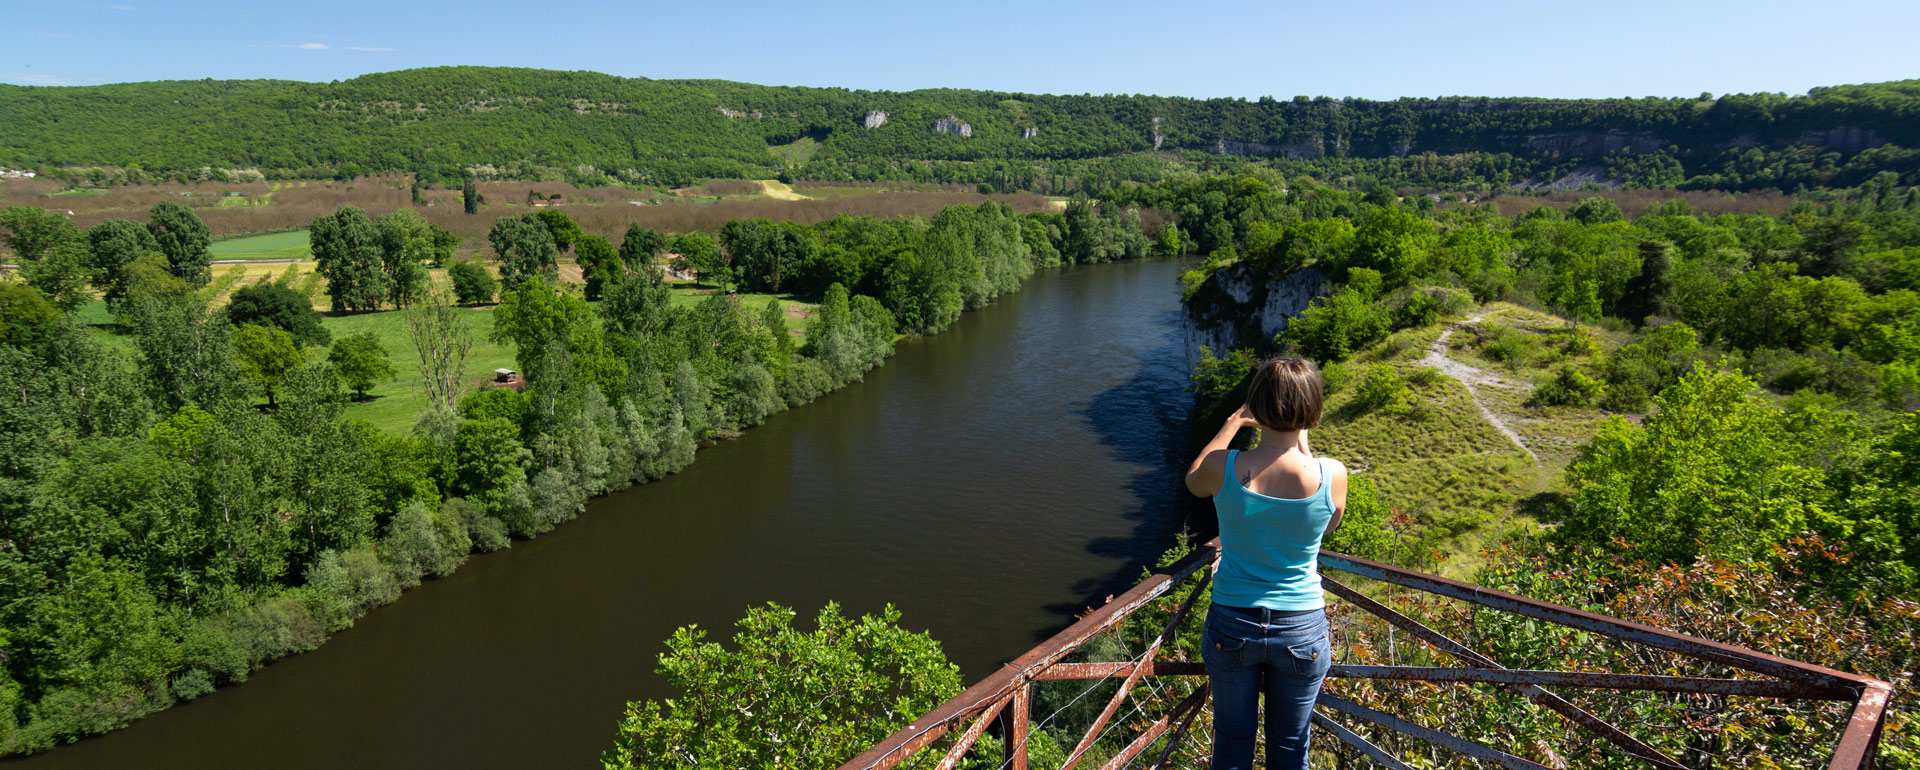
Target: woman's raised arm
[(1209, 469)]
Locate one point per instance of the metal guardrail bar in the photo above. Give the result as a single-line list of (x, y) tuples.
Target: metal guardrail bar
[(1016, 674), (1659, 638), (1007, 692)]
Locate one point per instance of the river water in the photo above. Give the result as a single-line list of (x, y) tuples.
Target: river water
[(991, 482)]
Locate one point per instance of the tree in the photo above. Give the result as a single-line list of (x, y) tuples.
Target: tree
[(472, 283), (346, 251), (362, 361), (638, 307), (444, 244), (184, 239), (186, 347), (640, 246), (114, 244), (265, 355), (25, 315), (600, 263), (1596, 211), (441, 340), (61, 273), (539, 318), (406, 244), (564, 230), (700, 256), (470, 196), (785, 697), (1646, 294), (275, 305), (526, 249), (32, 232)]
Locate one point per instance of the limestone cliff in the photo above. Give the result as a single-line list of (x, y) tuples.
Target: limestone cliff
[(1239, 306), (874, 119), (952, 125)]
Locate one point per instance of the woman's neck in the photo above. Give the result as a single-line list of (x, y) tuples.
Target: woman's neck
[(1282, 442)]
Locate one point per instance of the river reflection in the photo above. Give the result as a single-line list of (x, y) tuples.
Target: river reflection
[(990, 482)]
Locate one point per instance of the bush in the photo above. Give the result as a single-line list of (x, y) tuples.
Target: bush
[(473, 284), (1382, 390), (1504, 345), (1568, 388)]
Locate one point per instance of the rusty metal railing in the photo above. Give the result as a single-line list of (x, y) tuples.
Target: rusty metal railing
[(1007, 694)]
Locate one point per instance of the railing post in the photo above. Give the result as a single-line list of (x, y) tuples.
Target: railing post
[(1019, 714)]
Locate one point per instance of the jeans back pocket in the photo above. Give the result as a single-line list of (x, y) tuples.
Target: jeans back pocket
[(1312, 658), (1221, 651)]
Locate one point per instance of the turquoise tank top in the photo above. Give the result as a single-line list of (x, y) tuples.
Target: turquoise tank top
[(1269, 546)]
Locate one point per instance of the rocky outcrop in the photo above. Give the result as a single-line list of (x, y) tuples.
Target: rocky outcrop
[(1157, 138), (952, 125), (1030, 132), (874, 119), (1842, 138), (737, 113), (1304, 149), (1594, 142), (1233, 308)]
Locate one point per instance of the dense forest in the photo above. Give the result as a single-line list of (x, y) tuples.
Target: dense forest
[(1745, 387), (182, 500), (450, 122)]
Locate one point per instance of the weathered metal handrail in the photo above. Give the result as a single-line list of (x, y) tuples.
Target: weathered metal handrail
[(1008, 690)]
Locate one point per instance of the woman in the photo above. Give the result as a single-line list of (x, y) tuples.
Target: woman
[(1267, 629)]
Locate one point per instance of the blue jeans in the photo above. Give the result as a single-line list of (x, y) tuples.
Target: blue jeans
[(1249, 652)]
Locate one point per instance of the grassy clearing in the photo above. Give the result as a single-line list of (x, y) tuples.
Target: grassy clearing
[(1438, 460), (797, 151), (799, 312), (395, 406)]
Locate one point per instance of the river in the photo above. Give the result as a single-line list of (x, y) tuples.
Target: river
[(991, 482)]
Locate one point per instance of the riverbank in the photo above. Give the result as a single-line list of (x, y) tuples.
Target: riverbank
[(991, 482)]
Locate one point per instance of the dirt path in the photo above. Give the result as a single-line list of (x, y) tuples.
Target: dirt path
[(1474, 378), (779, 191)]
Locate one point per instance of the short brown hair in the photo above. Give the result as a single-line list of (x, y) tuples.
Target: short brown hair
[(1285, 394)]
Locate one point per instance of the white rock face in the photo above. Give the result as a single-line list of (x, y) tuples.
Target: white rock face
[(1029, 132), (1287, 297), (874, 119), (952, 125)]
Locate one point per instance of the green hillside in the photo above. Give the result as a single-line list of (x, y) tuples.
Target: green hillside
[(440, 121)]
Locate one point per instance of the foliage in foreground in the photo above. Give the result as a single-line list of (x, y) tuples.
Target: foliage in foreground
[(785, 697)]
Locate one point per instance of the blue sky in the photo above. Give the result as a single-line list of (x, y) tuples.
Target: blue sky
[(1236, 49)]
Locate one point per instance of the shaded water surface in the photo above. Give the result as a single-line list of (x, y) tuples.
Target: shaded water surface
[(990, 482)]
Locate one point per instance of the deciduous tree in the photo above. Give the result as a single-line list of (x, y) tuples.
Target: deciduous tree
[(346, 250), (184, 239)]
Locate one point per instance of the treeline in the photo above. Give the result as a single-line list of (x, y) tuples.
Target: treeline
[(442, 122), (163, 533)]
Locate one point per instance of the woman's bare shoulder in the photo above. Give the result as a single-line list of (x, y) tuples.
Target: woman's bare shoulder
[(1338, 468)]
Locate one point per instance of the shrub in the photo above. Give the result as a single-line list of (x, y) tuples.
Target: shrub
[(1568, 387), (472, 283), (1382, 390), (1504, 345)]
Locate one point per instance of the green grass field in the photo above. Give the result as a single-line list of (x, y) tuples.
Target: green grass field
[(287, 245)]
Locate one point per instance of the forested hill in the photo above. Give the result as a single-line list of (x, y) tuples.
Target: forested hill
[(439, 121)]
